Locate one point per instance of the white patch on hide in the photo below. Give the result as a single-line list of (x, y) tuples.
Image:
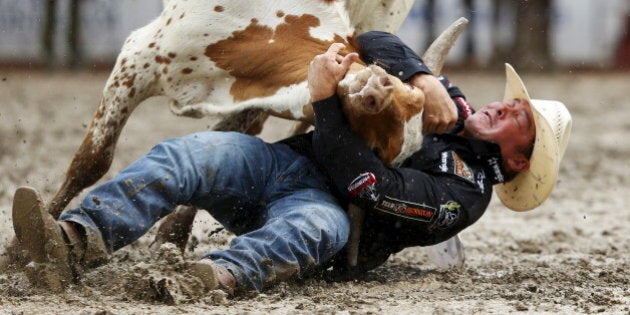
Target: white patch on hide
[(412, 139)]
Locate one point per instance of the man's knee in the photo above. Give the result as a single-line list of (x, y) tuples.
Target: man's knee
[(332, 223)]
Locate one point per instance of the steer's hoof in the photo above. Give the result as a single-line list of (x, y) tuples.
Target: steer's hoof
[(176, 228)]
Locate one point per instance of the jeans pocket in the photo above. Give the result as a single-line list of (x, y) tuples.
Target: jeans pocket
[(302, 173)]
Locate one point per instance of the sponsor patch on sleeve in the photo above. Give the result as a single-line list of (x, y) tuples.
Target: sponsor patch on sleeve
[(467, 110), (448, 215), (363, 187), (406, 209)]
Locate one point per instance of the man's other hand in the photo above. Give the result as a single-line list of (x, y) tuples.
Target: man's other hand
[(326, 70), (440, 114)]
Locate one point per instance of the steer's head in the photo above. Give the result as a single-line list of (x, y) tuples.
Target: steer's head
[(386, 112)]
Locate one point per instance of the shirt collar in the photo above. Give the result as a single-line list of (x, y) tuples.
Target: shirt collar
[(481, 152)]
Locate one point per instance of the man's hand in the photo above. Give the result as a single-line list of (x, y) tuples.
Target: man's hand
[(440, 114), (326, 70)]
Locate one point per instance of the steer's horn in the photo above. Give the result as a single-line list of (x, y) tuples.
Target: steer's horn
[(436, 53)]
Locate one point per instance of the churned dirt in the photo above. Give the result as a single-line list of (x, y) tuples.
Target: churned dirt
[(571, 255)]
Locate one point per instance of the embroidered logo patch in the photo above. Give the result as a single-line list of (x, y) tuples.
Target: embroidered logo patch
[(407, 209), (481, 178), (448, 215), (363, 186), (450, 162), (461, 169), (498, 175)]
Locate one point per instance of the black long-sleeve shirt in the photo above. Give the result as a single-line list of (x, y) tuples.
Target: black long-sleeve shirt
[(437, 192)]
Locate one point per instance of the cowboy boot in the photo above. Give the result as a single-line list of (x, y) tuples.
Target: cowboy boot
[(213, 276), (49, 244)]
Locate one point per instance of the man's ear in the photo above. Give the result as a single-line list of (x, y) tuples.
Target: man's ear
[(518, 163)]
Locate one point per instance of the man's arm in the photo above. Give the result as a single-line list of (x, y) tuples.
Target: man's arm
[(357, 173), (390, 53), (361, 178)]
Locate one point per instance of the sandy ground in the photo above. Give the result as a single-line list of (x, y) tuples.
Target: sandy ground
[(568, 256)]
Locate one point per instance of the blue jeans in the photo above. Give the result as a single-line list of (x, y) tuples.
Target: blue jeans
[(275, 201)]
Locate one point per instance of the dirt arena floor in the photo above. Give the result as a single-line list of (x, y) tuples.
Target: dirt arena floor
[(569, 256)]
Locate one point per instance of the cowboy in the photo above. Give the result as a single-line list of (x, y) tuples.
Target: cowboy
[(285, 201)]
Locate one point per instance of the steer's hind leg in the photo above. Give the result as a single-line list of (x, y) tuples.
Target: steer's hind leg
[(128, 85), (131, 82), (176, 228), (249, 121)]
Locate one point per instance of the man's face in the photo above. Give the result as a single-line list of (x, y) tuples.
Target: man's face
[(508, 124)]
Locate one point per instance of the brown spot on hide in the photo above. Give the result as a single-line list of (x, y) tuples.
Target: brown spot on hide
[(258, 75), (168, 21), (165, 70), (161, 59), (146, 65), (132, 92), (172, 55), (99, 113), (279, 13), (193, 58), (187, 71), (123, 61), (152, 45), (218, 8), (129, 82), (182, 16)]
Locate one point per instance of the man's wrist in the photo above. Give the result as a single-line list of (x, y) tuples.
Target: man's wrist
[(328, 112), (424, 81), (317, 97)]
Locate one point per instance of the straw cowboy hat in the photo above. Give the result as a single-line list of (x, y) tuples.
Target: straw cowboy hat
[(553, 127)]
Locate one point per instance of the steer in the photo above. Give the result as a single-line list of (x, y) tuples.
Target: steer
[(236, 60), (241, 61)]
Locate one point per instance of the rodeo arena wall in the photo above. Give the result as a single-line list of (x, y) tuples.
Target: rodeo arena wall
[(106, 23)]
